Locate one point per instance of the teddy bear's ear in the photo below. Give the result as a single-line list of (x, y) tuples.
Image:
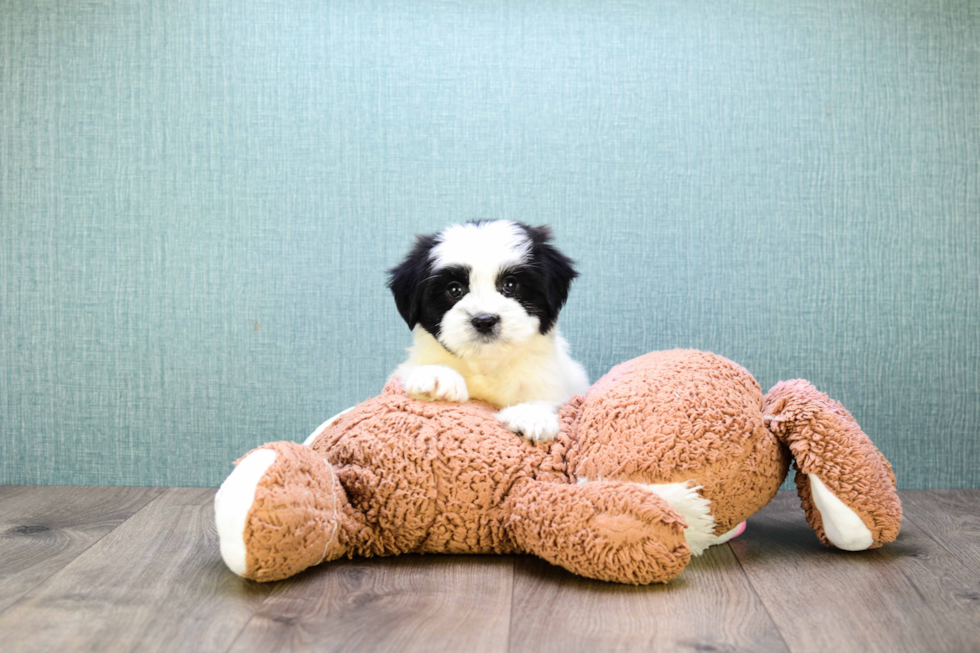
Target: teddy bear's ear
[(407, 279), (846, 486)]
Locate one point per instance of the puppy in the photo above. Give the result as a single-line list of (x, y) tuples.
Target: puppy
[(482, 300)]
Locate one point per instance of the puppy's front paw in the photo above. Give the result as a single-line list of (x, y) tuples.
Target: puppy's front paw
[(536, 421), (436, 383)]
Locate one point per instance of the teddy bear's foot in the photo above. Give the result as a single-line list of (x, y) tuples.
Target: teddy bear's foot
[(732, 534), (846, 486), (608, 530), (842, 526), (233, 502), (279, 512)]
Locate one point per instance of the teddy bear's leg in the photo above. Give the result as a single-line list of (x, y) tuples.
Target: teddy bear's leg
[(280, 511), (846, 486), (607, 530)]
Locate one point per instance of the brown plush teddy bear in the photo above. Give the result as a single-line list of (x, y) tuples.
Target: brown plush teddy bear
[(666, 455)]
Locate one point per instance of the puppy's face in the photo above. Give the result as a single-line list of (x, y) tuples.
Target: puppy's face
[(481, 287)]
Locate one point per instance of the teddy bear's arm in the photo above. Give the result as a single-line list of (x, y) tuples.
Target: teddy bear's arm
[(607, 530)]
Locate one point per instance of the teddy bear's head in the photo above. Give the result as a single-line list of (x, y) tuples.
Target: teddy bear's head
[(682, 417)]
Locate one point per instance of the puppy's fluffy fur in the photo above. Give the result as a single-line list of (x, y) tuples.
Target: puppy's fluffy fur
[(482, 300)]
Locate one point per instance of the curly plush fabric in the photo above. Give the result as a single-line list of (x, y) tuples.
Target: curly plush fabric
[(609, 531), (293, 521), (682, 416), (826, 440), (431, 476), (606, 499)]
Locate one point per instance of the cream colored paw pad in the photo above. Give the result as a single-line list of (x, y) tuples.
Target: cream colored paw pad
[(842, 526), (232, 503)]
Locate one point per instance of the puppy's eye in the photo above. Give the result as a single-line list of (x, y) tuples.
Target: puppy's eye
[(509, 286), (454, 290)]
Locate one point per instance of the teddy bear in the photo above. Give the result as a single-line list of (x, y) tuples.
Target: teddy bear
[(664, 456)]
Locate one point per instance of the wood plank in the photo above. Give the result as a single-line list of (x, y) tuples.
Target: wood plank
[(951, 517), (155, 583), (406, 603), (910, 595), (710, 607), (43, 528)]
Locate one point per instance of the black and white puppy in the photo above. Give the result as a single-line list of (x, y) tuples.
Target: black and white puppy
[(482, 300)]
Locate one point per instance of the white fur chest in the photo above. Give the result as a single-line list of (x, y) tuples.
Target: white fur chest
[(538, 371)]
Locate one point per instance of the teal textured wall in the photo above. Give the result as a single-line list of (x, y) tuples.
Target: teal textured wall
[(198, 202)]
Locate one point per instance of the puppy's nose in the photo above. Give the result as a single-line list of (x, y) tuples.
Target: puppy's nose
[(485, 323)]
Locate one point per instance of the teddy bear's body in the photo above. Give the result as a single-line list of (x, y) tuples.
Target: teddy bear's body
[(429, 477), (665, 455)]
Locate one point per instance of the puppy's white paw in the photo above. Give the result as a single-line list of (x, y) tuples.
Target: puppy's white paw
[(536, 421), (436, 383)]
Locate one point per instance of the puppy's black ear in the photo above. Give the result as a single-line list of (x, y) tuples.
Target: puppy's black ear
[(407, 279), (558, 271)]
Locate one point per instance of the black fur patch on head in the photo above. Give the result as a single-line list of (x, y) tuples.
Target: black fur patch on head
[(421, 294), (436, 298), (545, 278), (407, 280)]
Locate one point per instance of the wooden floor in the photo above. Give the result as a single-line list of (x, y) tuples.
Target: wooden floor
[(137, 569)]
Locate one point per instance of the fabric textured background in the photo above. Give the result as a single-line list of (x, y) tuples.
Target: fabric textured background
[(198, 202)]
